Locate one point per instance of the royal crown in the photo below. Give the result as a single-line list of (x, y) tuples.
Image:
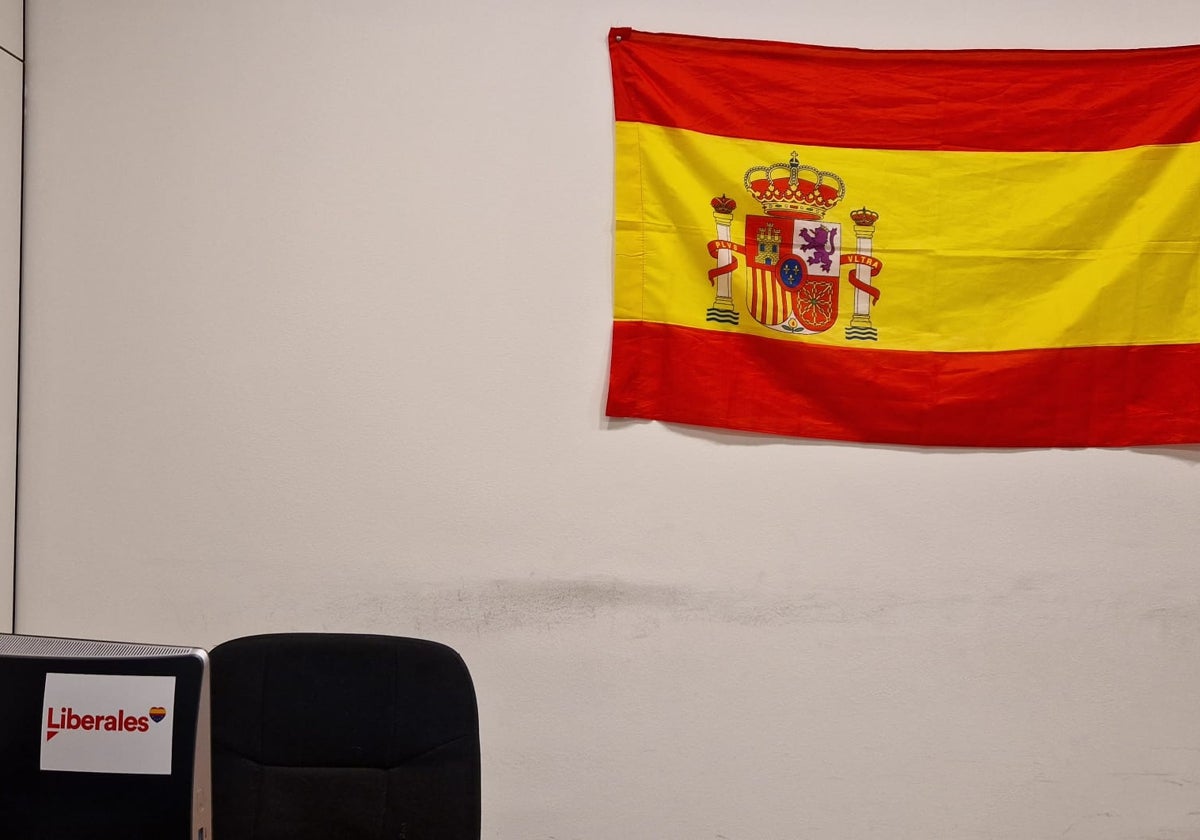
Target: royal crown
[(724, 204), (794, 190), (864, 217)]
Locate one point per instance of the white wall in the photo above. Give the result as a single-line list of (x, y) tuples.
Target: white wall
[(12, 51), (317, 308)]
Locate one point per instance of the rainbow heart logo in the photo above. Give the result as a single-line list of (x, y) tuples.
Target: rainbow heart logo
[(157, 713)]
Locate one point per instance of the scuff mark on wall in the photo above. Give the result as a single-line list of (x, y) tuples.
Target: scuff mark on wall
[(500, 605)]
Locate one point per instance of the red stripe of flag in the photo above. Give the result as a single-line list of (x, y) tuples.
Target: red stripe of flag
[(1071, 397), (954, 100)]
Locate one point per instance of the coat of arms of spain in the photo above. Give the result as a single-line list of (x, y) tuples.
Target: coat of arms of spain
[(794, 256)]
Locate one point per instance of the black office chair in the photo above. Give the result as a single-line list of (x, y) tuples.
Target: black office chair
[(343, 737)]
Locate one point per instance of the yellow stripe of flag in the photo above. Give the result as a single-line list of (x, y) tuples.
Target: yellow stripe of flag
[(982, 251)]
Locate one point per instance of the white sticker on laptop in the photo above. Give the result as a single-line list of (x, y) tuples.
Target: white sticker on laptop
[(107, 723)]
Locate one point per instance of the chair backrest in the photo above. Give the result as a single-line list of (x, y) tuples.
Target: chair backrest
[(342, 737)]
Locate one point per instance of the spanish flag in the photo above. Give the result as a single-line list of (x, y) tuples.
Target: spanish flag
[(995, 248)]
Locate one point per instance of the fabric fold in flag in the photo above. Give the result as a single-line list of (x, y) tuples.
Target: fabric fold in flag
[(993, 248)]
